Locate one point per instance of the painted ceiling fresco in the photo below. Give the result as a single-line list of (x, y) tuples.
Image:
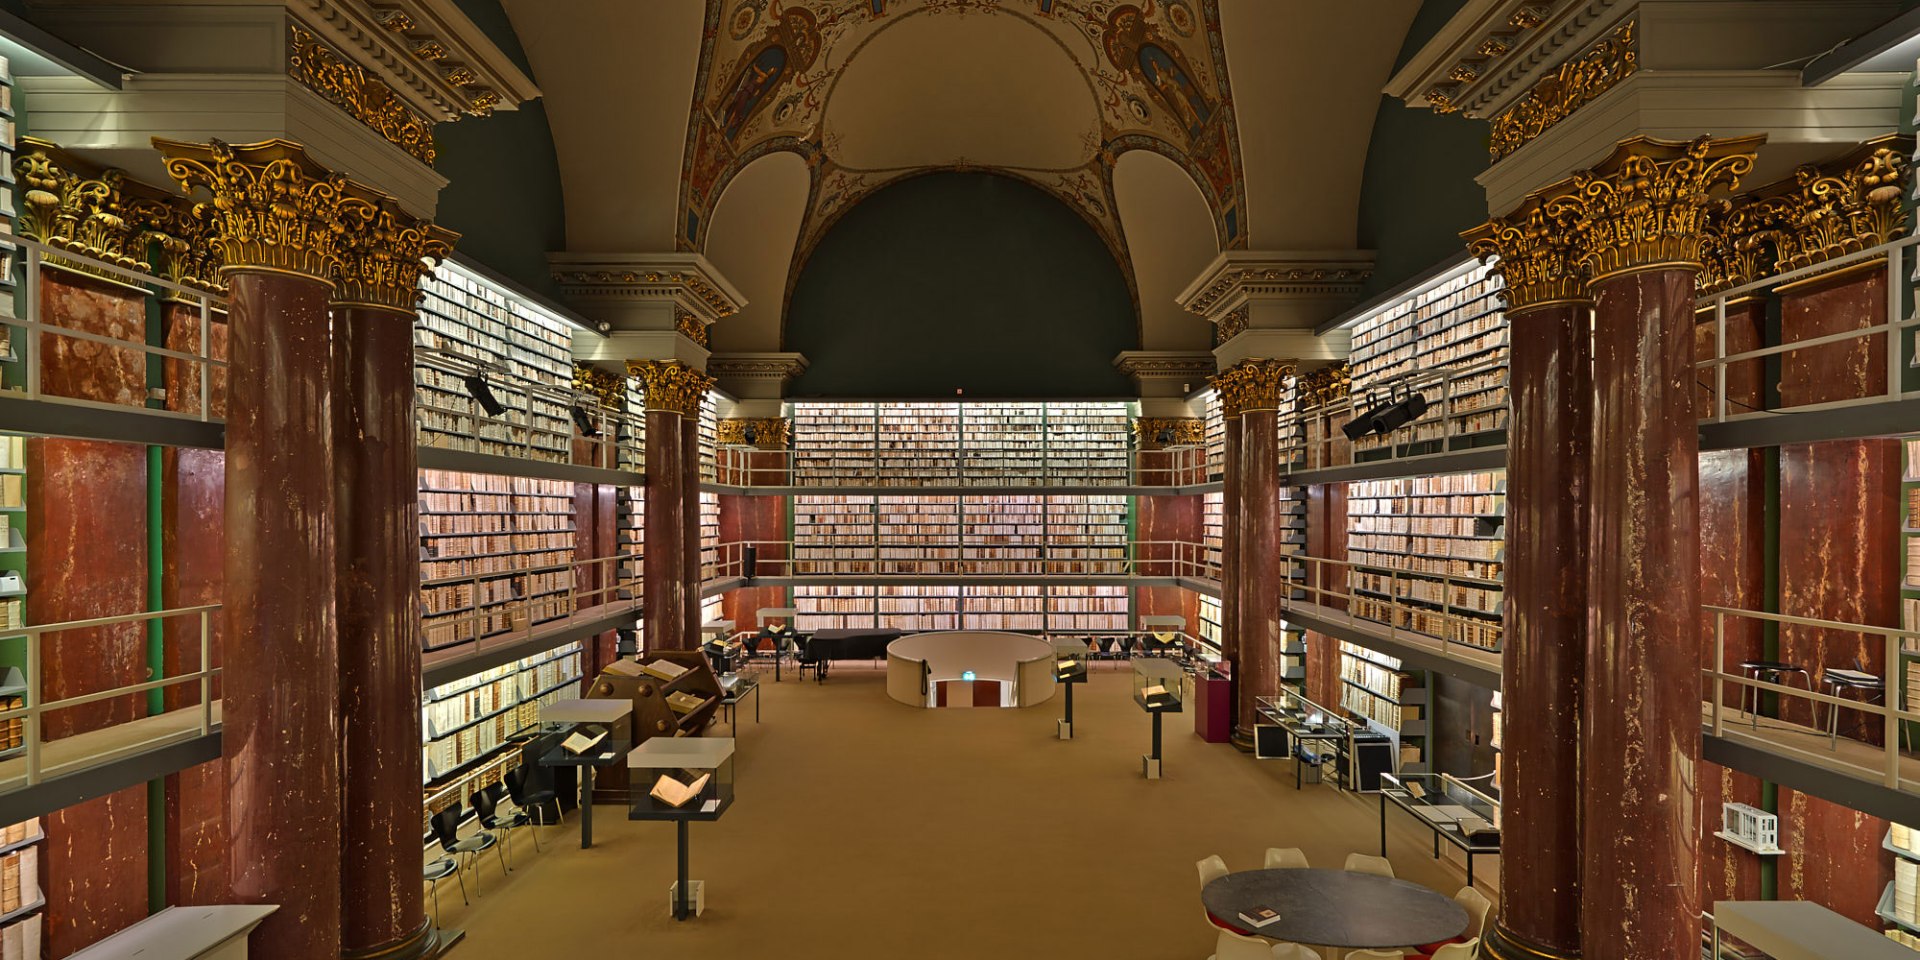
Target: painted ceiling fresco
[(1151, 76)]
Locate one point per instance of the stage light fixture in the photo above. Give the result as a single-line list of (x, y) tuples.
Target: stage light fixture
[(483, 395), (584, 420)]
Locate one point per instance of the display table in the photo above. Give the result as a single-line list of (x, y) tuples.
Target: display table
[(1334, 908), (915, 664), (1157, 690), (734, 688), (1455, 812)]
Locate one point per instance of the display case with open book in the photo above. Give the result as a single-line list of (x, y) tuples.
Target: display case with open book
[(1157, 684), (1069, 660), (685, 778)]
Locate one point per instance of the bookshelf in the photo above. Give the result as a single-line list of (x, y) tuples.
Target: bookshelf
[(835, 607), (917, 535), (708, 433), (1001, 534), (1910, 568), (630, 535), (1390, 700), (12, 374), (1456, 324), (1216, 435), (1213, 528), (470, 721), (709, 534), (918, 608), (22, 902), (1021, 607), (467, 325), (1499, 718), (1031, 607), (1001, 444), (1292, 566), (1407, 536), (1086, 609), (477, 532), (13, 552), (833, 534), (1210, 620), (1086, 534)]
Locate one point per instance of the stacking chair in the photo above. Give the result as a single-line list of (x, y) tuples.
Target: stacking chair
[(1457, 951), (1233, 946), (1211, 869), (439, 870), (511, 814), (1477, 908), (1286, 858), (531, 787), (1376, 954), (486, 806), (446, 829), (1378, 866)]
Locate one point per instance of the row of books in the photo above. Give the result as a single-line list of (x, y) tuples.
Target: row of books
[(504, 701), (1405, 523), (477, 545), (13, 448), (1434, 325), (485, 564), (1387, 714), (440, 717), (20, 890), (1434, 566), (1478, 505), (1439, 547), (1456, 598), (1471, 632)]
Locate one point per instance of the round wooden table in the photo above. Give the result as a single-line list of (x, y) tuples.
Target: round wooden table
[(1334, 908)]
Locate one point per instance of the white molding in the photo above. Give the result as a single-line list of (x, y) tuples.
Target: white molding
[(612, 351), (1301, 345), (611, 285), (115, 128), (1305, 277)]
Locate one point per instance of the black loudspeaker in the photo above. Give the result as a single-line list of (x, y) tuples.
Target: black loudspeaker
[(749, 557)]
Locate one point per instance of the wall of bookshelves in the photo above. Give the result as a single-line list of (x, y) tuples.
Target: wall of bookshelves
[(1215, 424), (467, 327), (981, 444), (1427, 546), (630, 535), (709, 530), (1391, 700), (1292, 565), (1213, 510), (480, 534), (1017, 607), (1910, 570), (1005, 534), (22, 903), (468, 722), (1210, 620), (1457, 324), (709, 431)]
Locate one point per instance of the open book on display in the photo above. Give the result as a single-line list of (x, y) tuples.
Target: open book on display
[(673, 793), (581, 741), (663, 669)]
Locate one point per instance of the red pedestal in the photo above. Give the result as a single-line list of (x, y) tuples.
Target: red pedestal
[(1213, 707)]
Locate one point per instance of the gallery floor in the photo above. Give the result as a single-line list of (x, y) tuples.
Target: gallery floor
[(864, 828)]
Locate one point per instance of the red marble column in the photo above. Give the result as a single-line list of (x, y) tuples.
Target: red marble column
[(690, 517), (664, 565), (1641, 742), (1230, 550), (1326, 539), (1543, 658), (282, 684), (1261, 590), (376, 503), (746, 518), (1732, 574), (193, 541)]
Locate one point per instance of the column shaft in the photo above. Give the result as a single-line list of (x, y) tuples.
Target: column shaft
[(1230, 556), (383, 911), (664, 565), (1548, 461), (281, 680), (1641, 712), (690, 517), (1258, 671)]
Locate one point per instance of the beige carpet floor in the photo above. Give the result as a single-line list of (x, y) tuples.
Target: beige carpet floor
[(868, 829)]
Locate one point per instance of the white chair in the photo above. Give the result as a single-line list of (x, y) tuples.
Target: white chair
[(1234, 946), (1211, 869), (1376, 954), (1477, 908), (1457, 951), (1378, 866), (1286, 858), (1293, 951)]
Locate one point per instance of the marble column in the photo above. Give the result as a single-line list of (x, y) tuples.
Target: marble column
[(690, 516), (748, 518), (279, 219), (1549, 459), (377, 582), (673, 391), (1639, 238), (1230, 546), (1255, 389), (1164, 521)]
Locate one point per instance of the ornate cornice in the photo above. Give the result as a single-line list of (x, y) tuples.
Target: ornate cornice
[(1187, 432), (685, 279), (428, 51), (1646, 205), (71, 205), (1538, 257), (605, 386), (1254, 384), (1165, 365), (1237, 276), (1482, 57), (366, 99), (1229, 326), (1324, 385), (757, 366), (1555, 98), (690, 326), (382, 262), (769, 433), (671, 386), (274, 208)]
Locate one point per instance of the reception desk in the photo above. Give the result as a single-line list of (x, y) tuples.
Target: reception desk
[(919, 665)]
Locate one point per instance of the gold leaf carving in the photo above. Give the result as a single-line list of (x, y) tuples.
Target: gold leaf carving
[(1187, 432), (1578, 82), (69, 205), (605, 386), (769, 433), (1647, 204), (273, 207), (381, 263), (671, 386), (1254, 384), (1538, 257), (347, 86)]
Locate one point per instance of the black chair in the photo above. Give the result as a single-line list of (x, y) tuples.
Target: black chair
[(487, 810), (439, 870), (1126, 648), (446, 829), (514, 817), (531, 794)]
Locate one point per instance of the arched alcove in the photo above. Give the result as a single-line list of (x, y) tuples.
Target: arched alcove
[(750, 241), (961, 280)]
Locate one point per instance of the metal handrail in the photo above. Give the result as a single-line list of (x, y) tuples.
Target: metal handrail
[(1337, 603), (1301, 447), (619, 444), (744, 466), (776, 558), (34, 707)]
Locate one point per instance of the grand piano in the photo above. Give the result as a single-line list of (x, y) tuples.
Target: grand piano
[(822, 647)]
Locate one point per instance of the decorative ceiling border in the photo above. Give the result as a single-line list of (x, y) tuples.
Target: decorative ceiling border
[(427, 51)]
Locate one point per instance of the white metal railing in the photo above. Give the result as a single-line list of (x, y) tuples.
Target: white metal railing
[(786, 558), (509, 607), (31, 335), (538, 421), (1810, 741), (1450, 634), (1902, 264), (743, 466), (34, 708), (1473, 399)]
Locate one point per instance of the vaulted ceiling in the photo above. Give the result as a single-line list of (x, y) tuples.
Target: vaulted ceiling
[(1176, 128)]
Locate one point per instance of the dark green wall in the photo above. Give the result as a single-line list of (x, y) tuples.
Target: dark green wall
[(504, 191), (961, 280), (1418, 191)]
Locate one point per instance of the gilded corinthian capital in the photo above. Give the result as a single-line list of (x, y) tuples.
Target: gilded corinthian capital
[(381, 263), (1539, 259), (1253, 384), (768, 433), (1158, 433), (671, 386), (275, 209), (69, 204), (1646, 206)]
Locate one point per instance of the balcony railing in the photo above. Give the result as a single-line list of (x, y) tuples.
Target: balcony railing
[(1437, 629), (538, 421), (1138, 558), (1466, 409), (510, 607), (742, 466)]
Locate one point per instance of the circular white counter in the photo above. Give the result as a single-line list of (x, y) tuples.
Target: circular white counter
[(951, 667)]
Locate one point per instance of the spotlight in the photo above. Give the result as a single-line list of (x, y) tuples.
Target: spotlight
[(1164, 437), (483, 394), (750, 435), (584, 420), (1387, 417)]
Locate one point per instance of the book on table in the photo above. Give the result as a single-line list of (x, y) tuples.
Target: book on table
[(581, 741), (1157, 696), (675, 794), (684, 702), (663, 669), (1260, 918)]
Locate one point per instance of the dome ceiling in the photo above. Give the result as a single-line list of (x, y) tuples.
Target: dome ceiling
[(1050, 91)]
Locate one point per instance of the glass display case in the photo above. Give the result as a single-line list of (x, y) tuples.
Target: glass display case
[(1455, 810), (1157, 684), (1069, 660), (1794, 930), (681, 778)]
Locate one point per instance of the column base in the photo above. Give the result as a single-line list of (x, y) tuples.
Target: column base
[(1242, 739), (427, 942), (1500, 944)]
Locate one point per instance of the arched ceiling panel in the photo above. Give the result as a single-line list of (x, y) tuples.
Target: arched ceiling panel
[(751, 243), (1171, 240), (617, 77)]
